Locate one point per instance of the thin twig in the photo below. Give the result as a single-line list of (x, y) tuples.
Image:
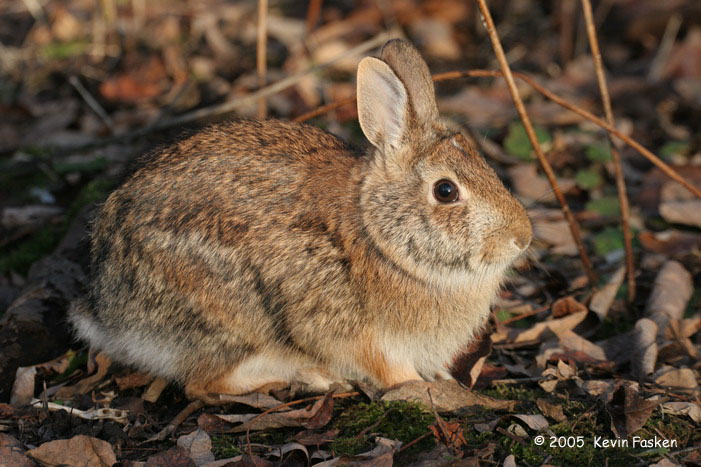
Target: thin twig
[(525, 315), (665, 48), (192, 407), (92, 102), (261, 54), (411, 443), (323, 109), (616, 156), (301, 401), (313, 12), (549, 173)]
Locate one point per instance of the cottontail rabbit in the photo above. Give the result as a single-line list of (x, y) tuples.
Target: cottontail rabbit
[(258, 252)]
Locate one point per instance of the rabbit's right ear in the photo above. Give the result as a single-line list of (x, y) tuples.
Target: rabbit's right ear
[(383, 106)]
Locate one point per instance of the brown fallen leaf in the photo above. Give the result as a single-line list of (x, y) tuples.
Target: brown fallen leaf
[(629, 411), (671, 292), (676, 379), (79, 450), (381, 455), (534, 422), (567, 306), (644, 349), (690, 409), (255, 400), (312, 438), (173, 457), (682, 212), (12, 452), (144, 81), (554, 375), (467, 367), (198, 446), (450, 434), (23, 387), (539, 330), (446, 396), (553, 411), (670, 242), (312, 417), (487, 427), (602, 299)]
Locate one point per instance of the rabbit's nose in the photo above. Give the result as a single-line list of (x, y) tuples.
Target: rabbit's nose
[(522, 237)]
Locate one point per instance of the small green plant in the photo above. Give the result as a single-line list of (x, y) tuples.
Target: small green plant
[(518, 144)]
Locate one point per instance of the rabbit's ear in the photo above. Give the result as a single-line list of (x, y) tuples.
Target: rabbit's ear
[(383, 109), (411, 69)]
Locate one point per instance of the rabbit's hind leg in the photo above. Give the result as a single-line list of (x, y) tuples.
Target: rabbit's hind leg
[(255, 372)]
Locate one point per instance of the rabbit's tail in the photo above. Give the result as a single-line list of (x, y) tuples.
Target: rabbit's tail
[(85, 324)]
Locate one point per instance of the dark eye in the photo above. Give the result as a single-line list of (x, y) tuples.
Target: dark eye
[(445, 191)]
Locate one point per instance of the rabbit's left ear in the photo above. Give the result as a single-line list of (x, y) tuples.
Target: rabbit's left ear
[(383, 108), (411, 69)]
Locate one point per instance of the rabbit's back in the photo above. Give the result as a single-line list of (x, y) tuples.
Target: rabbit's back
[(223, 244)]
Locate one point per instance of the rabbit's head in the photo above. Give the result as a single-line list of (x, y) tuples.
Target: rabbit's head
[(430, 202)]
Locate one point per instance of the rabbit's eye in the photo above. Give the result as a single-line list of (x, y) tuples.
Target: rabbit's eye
[(445, 191)]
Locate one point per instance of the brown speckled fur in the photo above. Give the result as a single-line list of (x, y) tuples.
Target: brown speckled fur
[(257, 252)]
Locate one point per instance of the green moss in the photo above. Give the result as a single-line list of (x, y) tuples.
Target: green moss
[(514, 392), (93, 192), (21, 256), (400, 420), (63, 50), (225, 446)]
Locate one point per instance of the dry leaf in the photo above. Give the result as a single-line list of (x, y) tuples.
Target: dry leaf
[(628, 411), (602, 299), (255, 400), (553, 411), (676, 379), (644, 349), (567, 306), (173, 457), (682, 212), (79, 450), (12, 452), (670, 294), (446, 396), (486, 427), (690, 409), (23, 387), (449, 433), (467, 367), (534, 422), (670, 242), (554, 326), (198, 446), (312, 417), (381, 455)]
